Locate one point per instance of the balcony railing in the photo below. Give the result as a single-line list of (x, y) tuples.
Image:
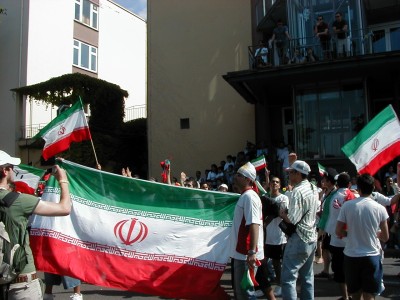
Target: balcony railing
[(30, 131), (131, 113), (356, 44), (135, 112)]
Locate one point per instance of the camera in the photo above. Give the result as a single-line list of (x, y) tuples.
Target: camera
[(52, 170)]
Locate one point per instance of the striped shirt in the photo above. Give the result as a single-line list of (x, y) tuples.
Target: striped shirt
[(304, 202)]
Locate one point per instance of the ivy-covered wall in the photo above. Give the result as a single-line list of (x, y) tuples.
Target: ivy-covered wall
[(116, 144)]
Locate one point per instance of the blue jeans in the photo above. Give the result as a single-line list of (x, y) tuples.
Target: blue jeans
[(239, 267), (298, 263)]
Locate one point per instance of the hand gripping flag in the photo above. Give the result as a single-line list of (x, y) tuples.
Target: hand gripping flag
[(376, 144), (70, 126), (137, 235)]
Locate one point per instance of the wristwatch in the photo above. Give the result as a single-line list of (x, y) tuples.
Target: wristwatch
[(251, 252)]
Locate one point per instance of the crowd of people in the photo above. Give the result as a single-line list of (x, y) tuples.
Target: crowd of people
[(277, 235), (351, 224)]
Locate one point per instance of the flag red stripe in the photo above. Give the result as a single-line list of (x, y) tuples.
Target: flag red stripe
[(261, 167), (78, 135), (382, 159), (167, 279)]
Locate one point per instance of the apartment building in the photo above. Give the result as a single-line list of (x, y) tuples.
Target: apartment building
[(318, 107), (42, 39), (194, 117)]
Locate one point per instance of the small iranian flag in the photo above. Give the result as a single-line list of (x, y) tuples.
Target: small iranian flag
[(136, 235), (27, 178), (259, 163), (376, 144), (70, 126), (321, 170)]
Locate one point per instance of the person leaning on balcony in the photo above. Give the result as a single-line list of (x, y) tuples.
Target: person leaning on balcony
[(260, 55), (27, 285), (281, 37), (321, 30), (340, 28)]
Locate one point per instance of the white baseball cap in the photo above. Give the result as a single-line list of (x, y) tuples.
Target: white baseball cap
[(300, 166), (6, 159)]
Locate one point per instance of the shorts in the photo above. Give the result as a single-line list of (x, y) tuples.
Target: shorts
[(363, 273), (274, 251), (337, 262), (68, 282)]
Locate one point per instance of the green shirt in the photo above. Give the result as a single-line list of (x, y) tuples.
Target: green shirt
[(20, 211)]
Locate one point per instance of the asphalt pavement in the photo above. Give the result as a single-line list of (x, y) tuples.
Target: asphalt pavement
[(324, 288)]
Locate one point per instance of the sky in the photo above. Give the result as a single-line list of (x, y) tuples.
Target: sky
[(138, 7)]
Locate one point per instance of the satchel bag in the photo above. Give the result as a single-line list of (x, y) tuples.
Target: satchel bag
[(287, 228)]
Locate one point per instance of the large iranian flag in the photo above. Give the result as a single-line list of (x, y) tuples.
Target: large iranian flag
[(137, 235), (70, 126), (27, 178), (376, 144)]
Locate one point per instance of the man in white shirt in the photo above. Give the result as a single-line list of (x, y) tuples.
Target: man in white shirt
[(247, 231), (364, 222)]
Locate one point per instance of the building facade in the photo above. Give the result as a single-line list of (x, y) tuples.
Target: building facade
[(194, 117), (42, 39), (317, 107)]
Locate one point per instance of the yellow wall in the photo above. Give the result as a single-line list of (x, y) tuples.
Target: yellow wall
[(191, 44)]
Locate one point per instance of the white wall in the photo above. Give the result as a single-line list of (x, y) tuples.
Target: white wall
[(50, 44), (122, 51)]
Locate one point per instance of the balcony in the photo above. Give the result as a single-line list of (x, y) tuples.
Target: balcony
[(131, 113), (358, 43), (135, 112)]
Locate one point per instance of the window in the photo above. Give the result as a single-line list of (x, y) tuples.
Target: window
[(185, 123), (327, 119), (86, 12), (85, 56)]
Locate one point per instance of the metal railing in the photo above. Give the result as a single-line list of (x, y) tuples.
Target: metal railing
[(135, 112), (357, 43), (30, 131), (131, 113)]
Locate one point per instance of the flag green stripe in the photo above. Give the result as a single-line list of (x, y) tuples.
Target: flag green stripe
[(385, 116), (60, 119), (116, 190)]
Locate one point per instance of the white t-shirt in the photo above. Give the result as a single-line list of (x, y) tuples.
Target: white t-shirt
[(381, 199), (274, 235), (363, 217), (337, 201), (249, 210)]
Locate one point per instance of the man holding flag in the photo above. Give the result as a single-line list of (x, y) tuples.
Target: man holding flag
[(247, 233), (26, 285)]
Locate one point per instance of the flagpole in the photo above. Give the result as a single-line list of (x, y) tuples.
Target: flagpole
[(90, 135)]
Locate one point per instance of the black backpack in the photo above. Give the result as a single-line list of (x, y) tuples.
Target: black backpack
[(12, 251)]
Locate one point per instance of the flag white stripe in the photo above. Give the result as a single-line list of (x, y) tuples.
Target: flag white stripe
[(164, 237), (72, 123), (386, 136)]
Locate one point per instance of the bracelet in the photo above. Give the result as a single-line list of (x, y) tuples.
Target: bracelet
[(251, 252), (64, 181)]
